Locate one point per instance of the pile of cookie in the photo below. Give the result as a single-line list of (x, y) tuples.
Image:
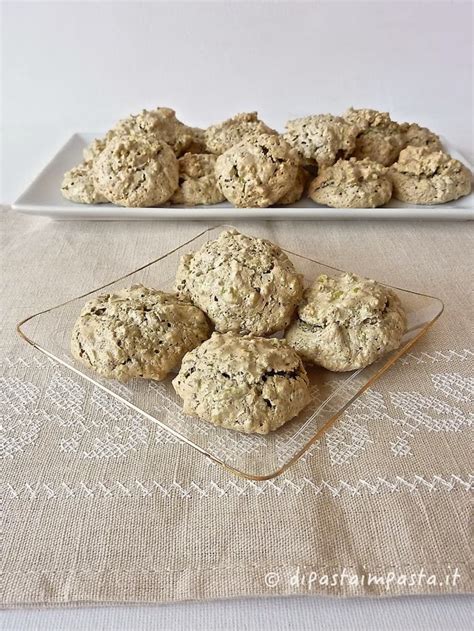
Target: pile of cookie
[(360, 159), (230, 297)]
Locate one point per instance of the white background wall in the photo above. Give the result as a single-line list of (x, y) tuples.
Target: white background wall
[(79, 66)]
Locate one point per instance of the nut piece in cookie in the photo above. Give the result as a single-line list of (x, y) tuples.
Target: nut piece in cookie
[(297, 190), (197, 180), (223, 136), (321, 139), (258, 171), (352, 184), (136, 171), (248, 384), (78, 185), (379, 138), (137, 332), (422, 176), (416, 136), (346, 322), (244, 284)]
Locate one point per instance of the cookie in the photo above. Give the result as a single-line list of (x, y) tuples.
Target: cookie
[(352, 184), (162, 124), (422, 176), (346, 322), (258, 171), (137, 332), (78, 185), (244, 284), (297, 189), (95, 148), (223, 136), (416, 136), (198, 144), (249, 384), (379, 138), (321, 139), (136, 171), (197, 180)]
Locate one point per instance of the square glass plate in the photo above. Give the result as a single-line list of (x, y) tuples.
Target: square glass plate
[(251, 456)]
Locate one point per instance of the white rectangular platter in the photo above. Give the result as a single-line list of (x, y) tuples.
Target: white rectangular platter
[(43, 198)]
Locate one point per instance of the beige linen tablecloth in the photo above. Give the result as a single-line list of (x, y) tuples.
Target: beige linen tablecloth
[(101, 506)]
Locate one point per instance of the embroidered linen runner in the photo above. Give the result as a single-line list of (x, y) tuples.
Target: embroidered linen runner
[(102, 506)]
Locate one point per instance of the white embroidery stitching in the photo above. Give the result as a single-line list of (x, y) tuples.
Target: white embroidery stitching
[(347, 440), (420, 411), (20, 423), (248, 488), (437, 356), (459, 387), (113, 430)]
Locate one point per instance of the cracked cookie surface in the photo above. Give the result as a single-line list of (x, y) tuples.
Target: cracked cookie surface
[(78, 185), (198, 144), (416, 136), (297, 189), (137, 332), (258, 171), (379, 137), (248, 384), (422, 176), (244, 284), (160, 124), (352, 184), (197, 180), (136, 171), (321, 139), (223, 136), (95, 148), (346, 322)]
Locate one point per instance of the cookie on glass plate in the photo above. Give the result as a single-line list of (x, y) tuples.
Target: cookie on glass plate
[(422, 176), (248, 384), (137, 332), (136, 171), (197, 180), (346, 322), (321, 139), (352, 184), (223, 136), (379, 137), (244, 284), (258, 171), (78, 185)]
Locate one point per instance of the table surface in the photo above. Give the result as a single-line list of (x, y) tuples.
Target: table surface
[(275, 614), (48, 96)]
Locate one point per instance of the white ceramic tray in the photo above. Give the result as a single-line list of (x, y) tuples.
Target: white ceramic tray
[(43, 197)]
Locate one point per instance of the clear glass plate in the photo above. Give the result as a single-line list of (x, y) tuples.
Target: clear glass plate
[(251, 456)]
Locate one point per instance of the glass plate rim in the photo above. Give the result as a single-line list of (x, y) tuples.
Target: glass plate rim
[(235, 471)]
